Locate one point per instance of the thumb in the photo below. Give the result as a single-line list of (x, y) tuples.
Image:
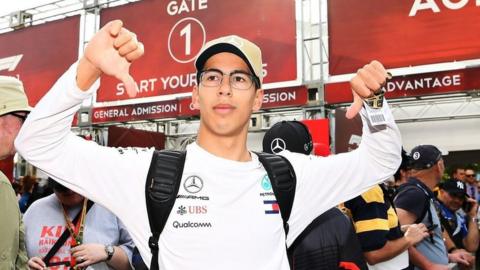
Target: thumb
[(130, 85), (356, 106), (114, 27)]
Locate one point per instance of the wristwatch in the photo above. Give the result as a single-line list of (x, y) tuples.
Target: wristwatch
[(109, 250)]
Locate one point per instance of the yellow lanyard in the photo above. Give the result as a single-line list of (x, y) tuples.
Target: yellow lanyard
[(76, 232)]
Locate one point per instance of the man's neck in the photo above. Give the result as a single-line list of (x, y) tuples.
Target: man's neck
[(228, 147), (428, 180)]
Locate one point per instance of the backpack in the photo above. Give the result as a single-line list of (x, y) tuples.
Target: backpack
[(163, 183), (426, 207)]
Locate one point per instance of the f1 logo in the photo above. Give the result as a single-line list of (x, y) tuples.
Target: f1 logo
[(10, 63)]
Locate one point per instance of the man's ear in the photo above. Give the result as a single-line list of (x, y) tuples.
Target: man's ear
[(195, 98), (257, 103)]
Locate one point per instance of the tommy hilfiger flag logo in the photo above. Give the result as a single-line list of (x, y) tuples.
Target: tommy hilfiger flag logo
[(271, 207)]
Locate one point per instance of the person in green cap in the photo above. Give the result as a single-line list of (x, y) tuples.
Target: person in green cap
[(13, 111)]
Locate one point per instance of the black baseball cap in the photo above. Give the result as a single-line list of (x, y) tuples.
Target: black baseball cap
[(288, 135), (424, 157), (245, 49), (455, 188)]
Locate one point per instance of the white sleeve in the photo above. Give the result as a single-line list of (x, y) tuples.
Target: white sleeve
[(324, 182), (114, 178)]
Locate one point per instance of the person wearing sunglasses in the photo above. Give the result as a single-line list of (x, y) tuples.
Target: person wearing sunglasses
[(471, 184)]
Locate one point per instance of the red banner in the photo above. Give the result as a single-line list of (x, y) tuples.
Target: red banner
[(186, 108), (413, 85), (174, 31), (401, 33), (274, 98), (145, 111), (39, 55), (130, 137), (285, 97)]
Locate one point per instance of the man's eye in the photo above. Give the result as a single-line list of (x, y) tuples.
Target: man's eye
[(212, 77), (239, 78)]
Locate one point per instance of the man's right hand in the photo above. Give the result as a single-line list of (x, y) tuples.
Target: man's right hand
[(415, 233), (110, 51)]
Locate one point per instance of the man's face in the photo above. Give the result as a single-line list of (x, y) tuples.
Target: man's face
[(459, 174), (470, 176), (226, 111), (451, 201), (9, 127)]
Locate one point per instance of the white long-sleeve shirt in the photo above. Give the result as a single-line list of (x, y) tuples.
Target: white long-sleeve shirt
[(224, 225)]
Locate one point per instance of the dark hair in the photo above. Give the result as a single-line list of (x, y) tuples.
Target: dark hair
[(28, 182), (405, 165), (55, 186), (455, 168)]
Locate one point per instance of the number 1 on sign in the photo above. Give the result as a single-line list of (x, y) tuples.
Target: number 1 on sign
[(187, 32)]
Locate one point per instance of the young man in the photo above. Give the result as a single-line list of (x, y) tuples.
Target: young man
[(13, 110), (221, 177), (471, 184)]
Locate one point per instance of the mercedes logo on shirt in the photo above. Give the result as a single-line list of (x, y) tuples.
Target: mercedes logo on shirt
[(278, 145), (193, 184)]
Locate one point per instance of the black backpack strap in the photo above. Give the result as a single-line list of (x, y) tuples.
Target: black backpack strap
[(61, 240), (426, 206), (283, 180), (161, 189)]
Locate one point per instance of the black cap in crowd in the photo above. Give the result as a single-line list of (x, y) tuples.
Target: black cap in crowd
[(454, 187), (424, 157), (288, 135)]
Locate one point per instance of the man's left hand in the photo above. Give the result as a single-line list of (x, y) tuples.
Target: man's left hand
[(368, 81), (88, 254)]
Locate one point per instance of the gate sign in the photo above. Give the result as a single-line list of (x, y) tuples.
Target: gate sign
[(39, 55), (285, 97), (413, 85), (401, 33), (173, 32), (135, 112)]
